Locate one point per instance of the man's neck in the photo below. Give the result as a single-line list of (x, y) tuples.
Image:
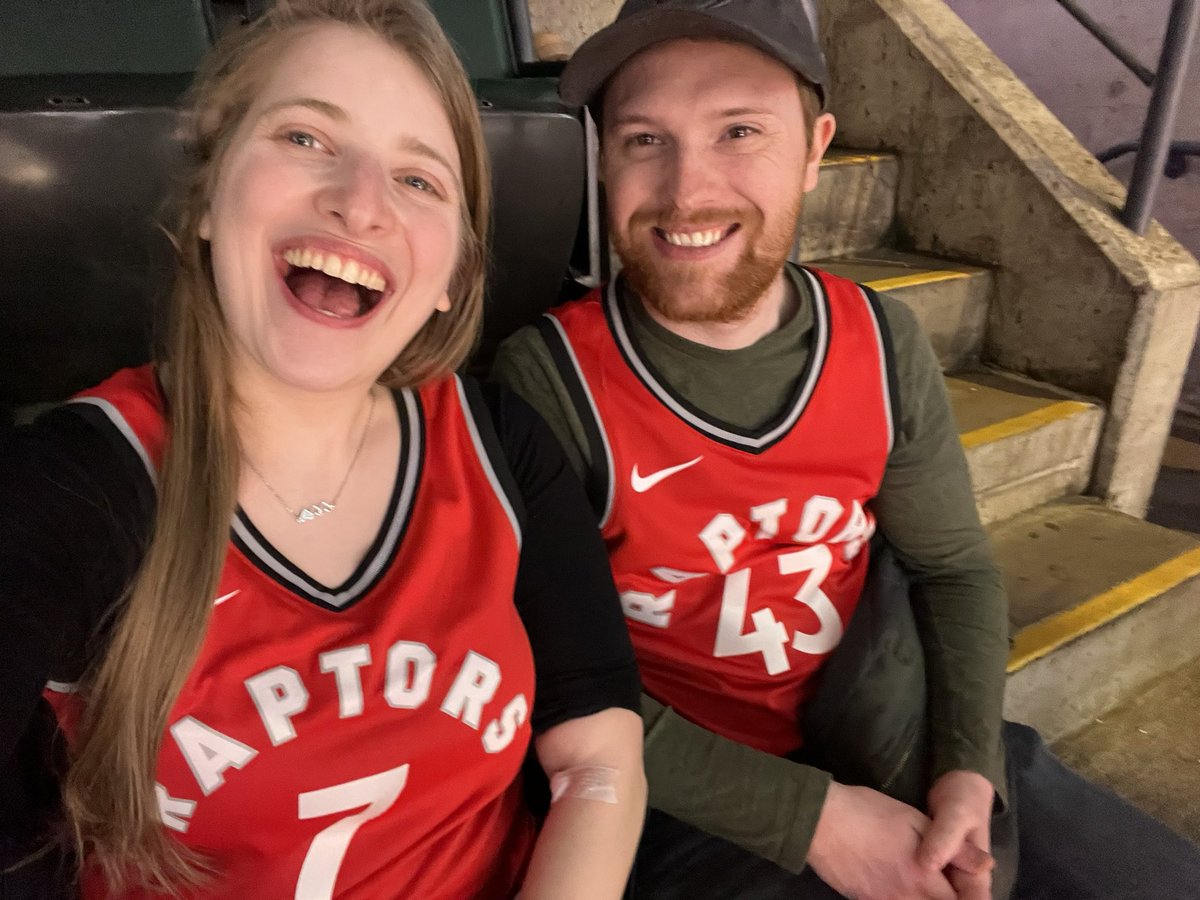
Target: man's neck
[(772, 311)]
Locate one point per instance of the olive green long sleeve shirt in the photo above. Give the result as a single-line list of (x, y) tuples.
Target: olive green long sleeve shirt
[(926, 509)]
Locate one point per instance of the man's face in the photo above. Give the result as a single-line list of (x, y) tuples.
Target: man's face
[(707, 156)]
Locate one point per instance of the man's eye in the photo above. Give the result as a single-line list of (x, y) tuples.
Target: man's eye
[(741, 131), (643, 140)]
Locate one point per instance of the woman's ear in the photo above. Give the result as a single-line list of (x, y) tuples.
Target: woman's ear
[(443, 304), (205, 229)]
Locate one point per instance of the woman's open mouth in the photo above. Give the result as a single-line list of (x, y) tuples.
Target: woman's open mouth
[(329, 284)]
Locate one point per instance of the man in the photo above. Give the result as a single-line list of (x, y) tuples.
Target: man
[(744, 426)]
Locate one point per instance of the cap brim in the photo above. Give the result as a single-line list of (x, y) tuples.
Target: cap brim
[(610, 48)]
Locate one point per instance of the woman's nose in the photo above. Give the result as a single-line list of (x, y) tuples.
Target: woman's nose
[(359, 197)]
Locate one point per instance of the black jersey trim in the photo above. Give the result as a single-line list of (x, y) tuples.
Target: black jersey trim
[(266, 558), (487, 448), (599, 482), (887, 364), (113, 417), (751, 440)]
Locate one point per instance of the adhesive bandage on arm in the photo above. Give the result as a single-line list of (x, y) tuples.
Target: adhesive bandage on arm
[(585, 783)]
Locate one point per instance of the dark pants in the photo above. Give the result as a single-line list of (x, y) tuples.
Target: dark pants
[(1077, 840)]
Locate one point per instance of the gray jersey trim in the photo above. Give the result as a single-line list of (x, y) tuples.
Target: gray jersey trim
[(123, 426), (486, 461), (885, 386), (610, 488)]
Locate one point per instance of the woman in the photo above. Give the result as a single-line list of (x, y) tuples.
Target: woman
[(335, 696)]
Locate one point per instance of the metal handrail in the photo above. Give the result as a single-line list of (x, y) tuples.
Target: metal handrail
[(1108, 39), (1182, 28), (1155, 147)]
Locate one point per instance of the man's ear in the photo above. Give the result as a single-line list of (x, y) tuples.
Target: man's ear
[(822, 136)]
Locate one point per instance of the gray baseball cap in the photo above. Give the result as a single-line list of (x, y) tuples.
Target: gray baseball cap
[(784, 29)]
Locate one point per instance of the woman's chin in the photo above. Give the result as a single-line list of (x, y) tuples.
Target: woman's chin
[(316, 370)]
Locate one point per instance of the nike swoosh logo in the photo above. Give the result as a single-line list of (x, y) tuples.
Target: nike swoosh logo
[(228, 596), (642, 483)]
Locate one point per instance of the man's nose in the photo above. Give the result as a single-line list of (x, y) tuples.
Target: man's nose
[(691, 182), (359, 197)]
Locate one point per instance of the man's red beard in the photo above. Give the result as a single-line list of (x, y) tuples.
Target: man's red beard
[(684, 291)]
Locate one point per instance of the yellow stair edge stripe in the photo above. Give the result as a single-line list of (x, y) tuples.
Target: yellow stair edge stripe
[(916, 279), (854, 159), (1042, 638), (1029, 421)]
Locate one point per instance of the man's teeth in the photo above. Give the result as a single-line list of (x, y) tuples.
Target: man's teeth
[(350, 271), (693, 238)]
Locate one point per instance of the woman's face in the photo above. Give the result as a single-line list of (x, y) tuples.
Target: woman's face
[(335, 222)]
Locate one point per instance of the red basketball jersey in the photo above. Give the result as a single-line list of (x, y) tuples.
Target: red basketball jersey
[(364, 741), (740, 555)]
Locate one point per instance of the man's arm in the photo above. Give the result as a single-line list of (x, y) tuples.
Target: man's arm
[(926, 508)]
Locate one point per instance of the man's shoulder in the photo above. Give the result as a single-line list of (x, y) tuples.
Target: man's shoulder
[(899, 319), (522, 343), (899, 315)]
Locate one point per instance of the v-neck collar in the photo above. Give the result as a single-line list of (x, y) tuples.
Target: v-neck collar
[(251, 542), (751, 440)]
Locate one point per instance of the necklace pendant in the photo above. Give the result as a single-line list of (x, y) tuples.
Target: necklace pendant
[(314, 512)]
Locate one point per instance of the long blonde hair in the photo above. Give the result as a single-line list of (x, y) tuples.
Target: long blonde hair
[(109, 791)]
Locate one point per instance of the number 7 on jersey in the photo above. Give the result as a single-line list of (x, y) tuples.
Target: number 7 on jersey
[(377, 793)]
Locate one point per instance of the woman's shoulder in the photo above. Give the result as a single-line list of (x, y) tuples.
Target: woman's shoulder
[(78, 457)]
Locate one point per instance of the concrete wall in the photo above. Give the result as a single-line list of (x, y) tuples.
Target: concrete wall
[(574, 20), (1097, 98)]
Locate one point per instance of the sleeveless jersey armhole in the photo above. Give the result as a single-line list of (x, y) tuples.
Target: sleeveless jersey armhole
[(491, 452), (599, 481), (887, 365)]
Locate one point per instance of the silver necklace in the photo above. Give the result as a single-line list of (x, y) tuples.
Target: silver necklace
[(321, 507)]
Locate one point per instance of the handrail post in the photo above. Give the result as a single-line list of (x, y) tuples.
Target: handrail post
[(1160, 120), (522, 32)]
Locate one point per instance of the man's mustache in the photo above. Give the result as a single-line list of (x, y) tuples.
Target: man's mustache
[(700, 220)]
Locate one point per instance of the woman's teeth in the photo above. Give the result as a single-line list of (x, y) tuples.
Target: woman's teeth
[(350, 271), (693, 238)]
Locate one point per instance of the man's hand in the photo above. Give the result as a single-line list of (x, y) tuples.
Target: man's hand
[(865, 847), (958, 840)]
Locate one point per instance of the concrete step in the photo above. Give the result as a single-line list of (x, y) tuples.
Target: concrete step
[(852, 207), (1026, 443), (1101, 604), (950, 299), (1147, 749)]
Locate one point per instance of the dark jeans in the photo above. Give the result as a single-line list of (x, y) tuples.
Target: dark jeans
[(1080, 841), (1077, 840)]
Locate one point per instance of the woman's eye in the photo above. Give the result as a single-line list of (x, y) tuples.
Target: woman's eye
[(302, 139), (741, 131), (421, 184)]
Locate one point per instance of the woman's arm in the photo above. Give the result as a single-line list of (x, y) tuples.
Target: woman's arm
[(588, 841), (588, 734), (76, 511)]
